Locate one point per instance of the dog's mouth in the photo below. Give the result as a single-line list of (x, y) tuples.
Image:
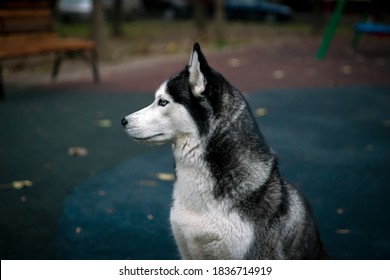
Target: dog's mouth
[(149, 138)]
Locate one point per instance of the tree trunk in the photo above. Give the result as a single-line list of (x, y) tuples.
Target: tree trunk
[(200, 19), (117, 19), (318, 19), (98, 27), (219, 22)]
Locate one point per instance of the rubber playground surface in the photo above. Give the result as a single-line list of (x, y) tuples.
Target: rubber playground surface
[(96, 194)]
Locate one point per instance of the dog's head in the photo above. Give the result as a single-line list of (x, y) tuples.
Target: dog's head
[(180, 108)]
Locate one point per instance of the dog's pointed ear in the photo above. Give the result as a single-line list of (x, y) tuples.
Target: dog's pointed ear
[(196, 66)]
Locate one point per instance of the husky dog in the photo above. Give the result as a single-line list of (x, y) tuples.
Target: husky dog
[(229, 200)]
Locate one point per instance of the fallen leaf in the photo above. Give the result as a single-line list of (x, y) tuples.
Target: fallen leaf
[(17, 185), (278, 74), (171, 47), (77, 151), (261, 112), (148, 183), (165, 176), (150, 217), (104, 123), (343, 231), (346, 69), (77, 230), (234, 62)]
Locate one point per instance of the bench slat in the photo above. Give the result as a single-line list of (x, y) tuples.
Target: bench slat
[(12, 21), (8, 51), (19, 38)]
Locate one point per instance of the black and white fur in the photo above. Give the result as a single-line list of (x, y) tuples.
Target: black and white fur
[(229, 201)]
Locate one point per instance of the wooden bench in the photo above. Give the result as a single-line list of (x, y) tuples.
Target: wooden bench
[(27, 32)]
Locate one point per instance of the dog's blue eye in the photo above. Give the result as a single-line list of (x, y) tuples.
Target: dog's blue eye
[(162, 102)]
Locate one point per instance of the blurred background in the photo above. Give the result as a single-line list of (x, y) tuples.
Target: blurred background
[(125, 29), (74, 186)]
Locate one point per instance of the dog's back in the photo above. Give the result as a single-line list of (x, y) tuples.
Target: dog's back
[(285, 227)]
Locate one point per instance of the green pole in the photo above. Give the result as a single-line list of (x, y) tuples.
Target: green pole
[(330, 29)]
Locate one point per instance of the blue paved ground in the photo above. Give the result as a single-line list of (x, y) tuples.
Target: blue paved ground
[(334, 144)]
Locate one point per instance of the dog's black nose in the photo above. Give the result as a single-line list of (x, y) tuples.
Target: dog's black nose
[(124, 122)]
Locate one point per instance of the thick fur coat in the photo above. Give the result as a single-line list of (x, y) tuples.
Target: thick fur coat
[(229, 200)]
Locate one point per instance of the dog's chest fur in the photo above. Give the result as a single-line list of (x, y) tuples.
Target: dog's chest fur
[(204, 227)]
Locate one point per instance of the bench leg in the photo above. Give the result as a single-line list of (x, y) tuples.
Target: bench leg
[(1, 84), (89, 56), (356, 40), (56, 66), (357, 35), (94, 64)]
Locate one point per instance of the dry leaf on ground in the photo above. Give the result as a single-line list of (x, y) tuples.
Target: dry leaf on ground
[(261, 112), (234, 62), (150, 217), (343, 231), (165, 176), (278, 74), (77, 151), (346, 69), (17, 185), (148, 183), (104, 123)]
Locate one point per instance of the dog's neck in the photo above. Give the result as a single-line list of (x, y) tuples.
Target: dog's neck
[(187, 151), (194, 182)]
